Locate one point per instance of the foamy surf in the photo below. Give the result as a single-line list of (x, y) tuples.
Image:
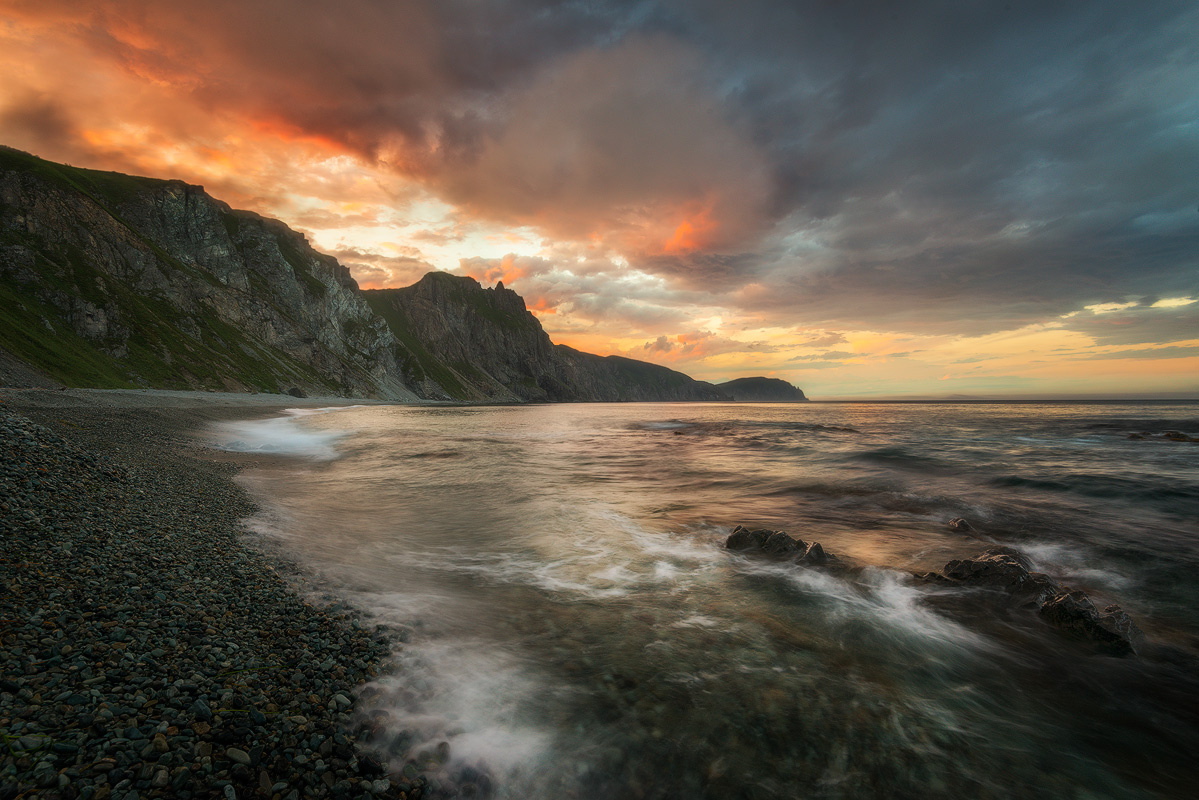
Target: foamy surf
[(282, 436), (570, 624)]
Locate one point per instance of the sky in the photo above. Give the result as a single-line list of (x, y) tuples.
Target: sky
[(866, 199)]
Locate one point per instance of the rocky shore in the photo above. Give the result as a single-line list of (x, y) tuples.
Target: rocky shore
[(146, 651)]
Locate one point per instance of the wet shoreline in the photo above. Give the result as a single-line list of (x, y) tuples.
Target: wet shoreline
[(148, 650)]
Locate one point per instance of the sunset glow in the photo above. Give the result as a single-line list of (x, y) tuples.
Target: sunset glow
[(699, 189)]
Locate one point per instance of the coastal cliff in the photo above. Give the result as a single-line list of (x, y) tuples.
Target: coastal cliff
[(483, 344), (114, 281), (109, 280)]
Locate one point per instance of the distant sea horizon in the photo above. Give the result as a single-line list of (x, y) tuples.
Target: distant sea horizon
[(1081, 400)]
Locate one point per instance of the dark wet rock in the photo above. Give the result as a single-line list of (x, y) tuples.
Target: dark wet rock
[(744, 539), (814, 554), (370, 765), (237, 756), (1069, 610), (780, 543), (1002, 568), (999, 567), (200, 710), (1038, 588), (1075, 613), (1168, 436), (960, 525), (295, 391)]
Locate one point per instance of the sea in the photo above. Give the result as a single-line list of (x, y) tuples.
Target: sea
[(569, 624)]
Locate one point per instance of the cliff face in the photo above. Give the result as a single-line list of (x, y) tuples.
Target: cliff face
[(762, 390), (619, 379), (483, 344), (110, 280), (476, 343)]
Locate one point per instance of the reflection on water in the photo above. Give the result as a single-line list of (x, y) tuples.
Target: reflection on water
[(574, 627)]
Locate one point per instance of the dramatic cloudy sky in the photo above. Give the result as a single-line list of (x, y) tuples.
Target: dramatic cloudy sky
[(864, 198)]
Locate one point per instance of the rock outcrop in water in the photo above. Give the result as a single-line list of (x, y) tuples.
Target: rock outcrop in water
[(109, 280), (762, 390), (1070, 611), (778, 544)]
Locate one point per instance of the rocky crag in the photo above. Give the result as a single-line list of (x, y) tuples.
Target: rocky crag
[(483, 344), (762, 390), (109, 280)]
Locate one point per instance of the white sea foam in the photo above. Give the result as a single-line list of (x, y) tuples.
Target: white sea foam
[(472, 696), (601, 554), (881, 595), (284, 436), (1071, 563)]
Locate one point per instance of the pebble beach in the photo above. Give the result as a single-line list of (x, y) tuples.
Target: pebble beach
[(147, 648)]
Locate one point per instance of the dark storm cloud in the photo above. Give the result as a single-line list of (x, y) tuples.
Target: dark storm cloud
[(934, 166), (36, 117), (1140, 325), (1152, 353)]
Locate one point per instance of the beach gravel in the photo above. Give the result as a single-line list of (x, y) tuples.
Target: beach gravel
[(145, 650)]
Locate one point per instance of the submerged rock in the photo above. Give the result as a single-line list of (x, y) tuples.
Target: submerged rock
[(1000, 567), (780, 544), (1069, 610), (815, 555), (744, 539), (777, 543), (960, 525), (1075, 613)]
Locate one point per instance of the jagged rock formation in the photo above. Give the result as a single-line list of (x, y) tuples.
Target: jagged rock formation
[(483, 344), (476, 343), (778, 544), (109, 280), (1070, 611), (762, 390)]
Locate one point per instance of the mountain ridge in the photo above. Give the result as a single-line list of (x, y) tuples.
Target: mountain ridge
[(112, 280)]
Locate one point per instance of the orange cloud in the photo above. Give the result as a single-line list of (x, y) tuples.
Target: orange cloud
[(541, 306), (489, 272), (691, 234)]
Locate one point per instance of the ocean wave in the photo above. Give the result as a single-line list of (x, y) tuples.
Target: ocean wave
[(283, 436), (1106, 486), (903, 458)]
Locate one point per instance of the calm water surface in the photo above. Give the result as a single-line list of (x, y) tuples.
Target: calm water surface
[(574, 627)]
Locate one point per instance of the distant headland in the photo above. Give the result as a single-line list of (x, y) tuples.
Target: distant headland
[(762, 390)]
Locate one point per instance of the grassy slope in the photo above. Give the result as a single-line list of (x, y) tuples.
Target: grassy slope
[(158, 353), (421, 364)]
